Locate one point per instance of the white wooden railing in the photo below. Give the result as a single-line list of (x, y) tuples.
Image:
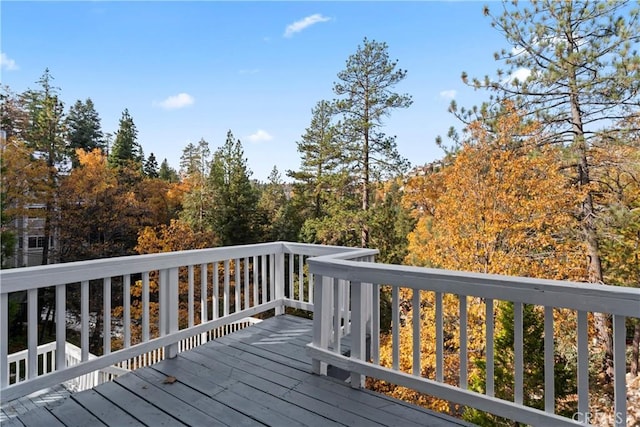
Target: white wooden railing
[(18, 366), (234, 283), (365, 280)]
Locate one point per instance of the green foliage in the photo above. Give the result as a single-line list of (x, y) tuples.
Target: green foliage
[(150, 167), (533, 363), (277, 218), (366, 86), (84, 129), (126, 151), (233, 212), (167, 173)]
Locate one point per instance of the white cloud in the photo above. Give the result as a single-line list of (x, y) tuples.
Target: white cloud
[(7, 63), (249, 71), (174, 102), (521, 74), (448, 94), (260, 136), (303, 23)]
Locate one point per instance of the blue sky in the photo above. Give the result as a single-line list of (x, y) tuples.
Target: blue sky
[(191, 70)]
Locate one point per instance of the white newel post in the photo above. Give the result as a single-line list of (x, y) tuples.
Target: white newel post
[(279, 282), (358, 327), (169, 307), (321, 319)]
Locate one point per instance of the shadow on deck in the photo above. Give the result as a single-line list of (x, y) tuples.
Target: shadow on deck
[(257, 376)]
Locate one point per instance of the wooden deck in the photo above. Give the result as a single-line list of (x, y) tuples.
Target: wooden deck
[(257, 376)]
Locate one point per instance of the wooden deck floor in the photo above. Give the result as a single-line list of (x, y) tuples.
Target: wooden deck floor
[(257, 376)]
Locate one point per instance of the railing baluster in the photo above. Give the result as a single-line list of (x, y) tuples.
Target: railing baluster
[(583, 364), (225, 310), (126, 312), (489, 346), (145, 306), (439, 338), (190, 297), (4, 341), (337, 316), (272, 277), (549, 391), (417, 341), (290, 281), (204, 316), (263, 283), (247, 290), (106, 316), (463, 341), (32, 333), (619, 366), (375, 329), (237, 303), (256, 296), (518, 341), (61, 326), (215, 290), (84, 321), (301, 279), (395, 327)]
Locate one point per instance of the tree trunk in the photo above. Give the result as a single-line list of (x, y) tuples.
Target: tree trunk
[(587, 216)]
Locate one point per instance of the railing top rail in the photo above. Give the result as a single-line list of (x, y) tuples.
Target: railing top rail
[(338, 252), (19, 279), (574, 295)]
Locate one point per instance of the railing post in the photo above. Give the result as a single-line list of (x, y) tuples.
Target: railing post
[(321, 319), (358, 326), (169, 307), (279, 282)]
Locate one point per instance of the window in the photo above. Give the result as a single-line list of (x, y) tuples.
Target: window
[(36, 242)]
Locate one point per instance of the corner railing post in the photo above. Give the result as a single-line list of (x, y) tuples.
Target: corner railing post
[(279, 282), (358, 326), (321, 319)]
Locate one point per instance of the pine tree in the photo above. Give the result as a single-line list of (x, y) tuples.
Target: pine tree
[(167, 173), (126, 151), (84, 129), (572, 66), (45, 135), (233, 213), (151, 167), (366, 84)]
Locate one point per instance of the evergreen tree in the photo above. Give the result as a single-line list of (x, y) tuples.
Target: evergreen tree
[(277, 217), (84, 129), (126, 151), (533, 364), (194, 168), (167, 173), (366, 84), (233, 213), (572, 66), (151, 167), (321, 158), (45, 135)]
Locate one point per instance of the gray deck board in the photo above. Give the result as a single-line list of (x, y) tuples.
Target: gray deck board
[(105, 410), (258, 376), (72, 414)]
